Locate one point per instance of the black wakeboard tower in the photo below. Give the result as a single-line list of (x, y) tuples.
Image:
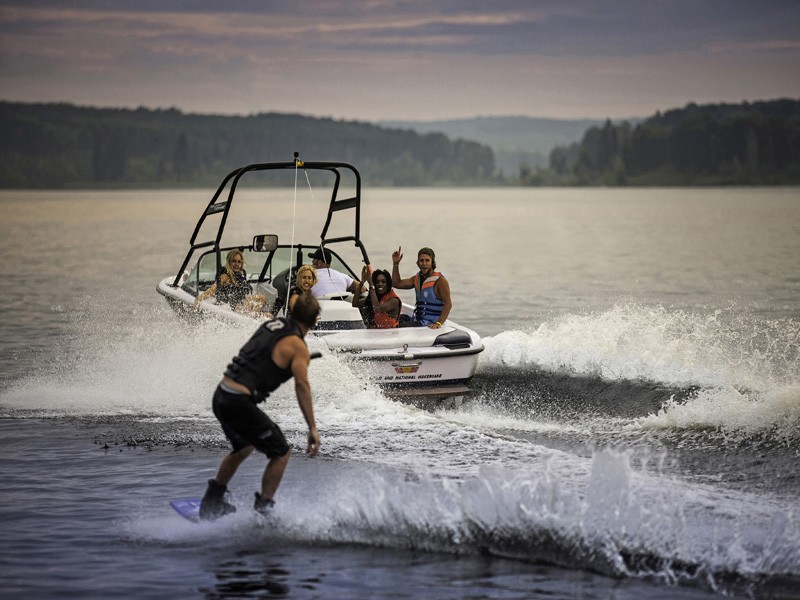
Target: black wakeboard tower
[(231, 181)]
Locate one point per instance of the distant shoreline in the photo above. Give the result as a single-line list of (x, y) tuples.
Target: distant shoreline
[(62, 146)]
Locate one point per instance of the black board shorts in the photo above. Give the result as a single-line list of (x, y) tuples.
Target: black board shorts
[(244, 424)]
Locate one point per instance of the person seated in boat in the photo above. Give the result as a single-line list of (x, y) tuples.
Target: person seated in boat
[(432, 289), (329, 281), (381, 304), (306, 277), (231, 286)]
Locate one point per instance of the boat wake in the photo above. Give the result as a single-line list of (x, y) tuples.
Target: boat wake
[(601, 516), (477, 480), (632, 369), (672, 370)]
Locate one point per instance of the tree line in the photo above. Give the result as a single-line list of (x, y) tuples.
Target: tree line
[(62, 145), (716, 144)]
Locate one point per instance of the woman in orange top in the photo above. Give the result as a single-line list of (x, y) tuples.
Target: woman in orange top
[(382, 299)]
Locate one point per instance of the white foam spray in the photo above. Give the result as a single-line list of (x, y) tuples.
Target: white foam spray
[(595, 513), (746, 369)]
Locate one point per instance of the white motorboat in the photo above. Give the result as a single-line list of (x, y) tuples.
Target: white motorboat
[(406, 361)]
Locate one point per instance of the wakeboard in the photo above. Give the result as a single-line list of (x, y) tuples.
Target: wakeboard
[(188, 508)]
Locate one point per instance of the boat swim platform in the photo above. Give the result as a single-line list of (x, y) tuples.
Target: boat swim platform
[(428, 398)]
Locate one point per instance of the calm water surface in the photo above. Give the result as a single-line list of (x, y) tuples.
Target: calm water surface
[(633, 430)]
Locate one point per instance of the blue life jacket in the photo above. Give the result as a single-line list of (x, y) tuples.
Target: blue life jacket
[(429, 307)]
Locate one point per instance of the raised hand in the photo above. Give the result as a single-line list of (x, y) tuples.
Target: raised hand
[(397, 255)]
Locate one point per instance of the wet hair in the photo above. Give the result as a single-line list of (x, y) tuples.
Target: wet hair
[(429, 252), (386, 274), (306, 310), (305, 268)]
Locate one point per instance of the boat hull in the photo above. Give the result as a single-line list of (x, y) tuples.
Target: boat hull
[(406, 362)]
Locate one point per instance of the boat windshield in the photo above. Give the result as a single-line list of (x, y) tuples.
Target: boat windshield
[(204, 273)]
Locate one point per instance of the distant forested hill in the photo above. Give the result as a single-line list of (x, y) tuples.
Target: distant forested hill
[(61, 145), (516, 141), (717, 144)]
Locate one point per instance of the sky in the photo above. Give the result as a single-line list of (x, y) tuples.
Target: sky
[(375, 60)]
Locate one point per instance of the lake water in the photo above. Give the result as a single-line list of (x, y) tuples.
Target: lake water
[(633, 431)]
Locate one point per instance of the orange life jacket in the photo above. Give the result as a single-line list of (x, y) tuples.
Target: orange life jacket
[(384, 320)]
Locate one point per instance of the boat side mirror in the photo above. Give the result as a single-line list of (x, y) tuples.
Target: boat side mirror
[(265, 243)]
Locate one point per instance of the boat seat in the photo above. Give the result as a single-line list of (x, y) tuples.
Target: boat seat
[(267, 290), (453, 339), (337, 314), (280, 283)]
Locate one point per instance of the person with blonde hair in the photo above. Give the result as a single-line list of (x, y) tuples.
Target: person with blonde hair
[(231, 286), (305, 279)]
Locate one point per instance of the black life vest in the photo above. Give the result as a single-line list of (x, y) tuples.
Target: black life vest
[(253, 366)]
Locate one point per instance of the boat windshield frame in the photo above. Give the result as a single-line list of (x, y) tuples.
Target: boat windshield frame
[(336, 204)]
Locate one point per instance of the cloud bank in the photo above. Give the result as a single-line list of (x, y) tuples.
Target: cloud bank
[(371, 60)]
